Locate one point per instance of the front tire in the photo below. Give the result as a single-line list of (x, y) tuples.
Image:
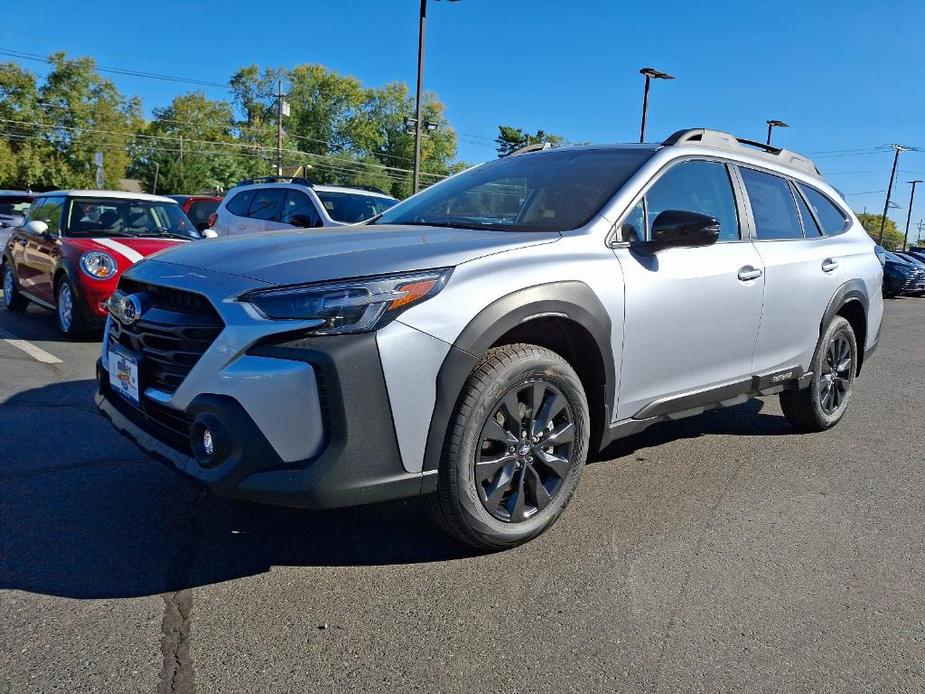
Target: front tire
[(822, 405), (516, 447), (12, 299), (71, 320)]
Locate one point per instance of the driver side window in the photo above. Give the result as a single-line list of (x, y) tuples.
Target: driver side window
[(691, 186)]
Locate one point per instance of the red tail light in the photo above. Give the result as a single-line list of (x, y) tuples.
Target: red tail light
[(213, 218)]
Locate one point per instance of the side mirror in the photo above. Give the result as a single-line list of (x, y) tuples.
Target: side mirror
[(37, 228), (209, 234), (303, 221), (680, 228)]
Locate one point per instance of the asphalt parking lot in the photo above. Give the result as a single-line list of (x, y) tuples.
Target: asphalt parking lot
[(718, 553)]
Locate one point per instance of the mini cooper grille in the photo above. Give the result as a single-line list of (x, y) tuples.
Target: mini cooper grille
[(173, 332)]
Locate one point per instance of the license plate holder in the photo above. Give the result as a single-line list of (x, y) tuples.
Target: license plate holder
[(123, 374)]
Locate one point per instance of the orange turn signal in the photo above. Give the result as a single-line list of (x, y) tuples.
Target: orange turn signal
[(411, 293)]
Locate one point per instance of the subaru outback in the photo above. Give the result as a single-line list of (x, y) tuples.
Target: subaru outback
[(480, 340)]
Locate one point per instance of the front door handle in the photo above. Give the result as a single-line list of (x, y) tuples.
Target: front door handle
[(749, 273), (829, 264)]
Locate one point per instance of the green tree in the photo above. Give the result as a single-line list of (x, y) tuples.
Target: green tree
[(348, 133), (203, 131), (511, 139), (53, 130), (892, 236), (173, 175)]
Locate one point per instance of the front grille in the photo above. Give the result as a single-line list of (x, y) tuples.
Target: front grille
[(174, 331)]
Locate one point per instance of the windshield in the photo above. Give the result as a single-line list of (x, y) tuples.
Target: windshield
[(547, 191), (353, 207), (99, 217), (15, 205)]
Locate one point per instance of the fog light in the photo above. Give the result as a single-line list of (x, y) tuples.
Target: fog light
[(211, 441), (207, 444)]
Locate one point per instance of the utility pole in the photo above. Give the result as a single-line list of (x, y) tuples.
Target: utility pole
[(920, 226), (181, 149), (282, 108), (889, 190), (909, 216)]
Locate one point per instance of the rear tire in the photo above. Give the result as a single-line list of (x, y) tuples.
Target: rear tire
[(515, 449), (72, 322), (823, 403), (12, 299)]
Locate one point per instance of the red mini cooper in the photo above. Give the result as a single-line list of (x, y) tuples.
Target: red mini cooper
[(73, 245)]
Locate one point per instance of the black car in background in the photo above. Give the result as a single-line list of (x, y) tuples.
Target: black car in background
[(900, 276)]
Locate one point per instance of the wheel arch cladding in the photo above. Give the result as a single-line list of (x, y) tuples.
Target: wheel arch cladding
[(562, 316), (850, 301)]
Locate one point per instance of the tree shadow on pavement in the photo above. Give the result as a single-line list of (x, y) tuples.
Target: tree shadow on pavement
[(83, 514)]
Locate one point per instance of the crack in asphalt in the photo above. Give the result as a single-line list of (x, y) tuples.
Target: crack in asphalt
[(685, 585), (178, 671)]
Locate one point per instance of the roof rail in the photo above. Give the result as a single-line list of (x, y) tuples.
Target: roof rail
[(277, 179), (731, 143), (538, 147), (371, 189)]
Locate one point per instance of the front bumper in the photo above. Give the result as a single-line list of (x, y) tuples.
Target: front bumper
[(358, 461)]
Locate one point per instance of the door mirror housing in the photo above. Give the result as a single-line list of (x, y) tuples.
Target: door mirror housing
[(680, 229), (303, 221), (38, 228), (209, 234)]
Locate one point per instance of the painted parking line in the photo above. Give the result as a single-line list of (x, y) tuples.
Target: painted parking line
[(37, 353)]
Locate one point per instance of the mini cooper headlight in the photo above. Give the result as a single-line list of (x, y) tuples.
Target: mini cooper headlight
[(352, 306), (98, 264)]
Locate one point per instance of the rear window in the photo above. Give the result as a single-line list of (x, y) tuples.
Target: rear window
[(240, 202), (832, 219), (200, 210), (810, 228), (266, 203), (353, 207), (773, 206), (15, 204)]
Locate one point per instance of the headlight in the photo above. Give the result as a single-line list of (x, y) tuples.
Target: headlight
[(353, 306), (99, 265)]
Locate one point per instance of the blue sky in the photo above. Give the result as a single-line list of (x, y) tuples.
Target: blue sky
[(846, 75)]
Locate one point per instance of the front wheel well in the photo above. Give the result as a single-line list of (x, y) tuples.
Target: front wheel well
[(574, 343), (853, 312)]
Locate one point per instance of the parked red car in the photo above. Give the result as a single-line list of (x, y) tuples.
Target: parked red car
[(198, 208), (73, 245)]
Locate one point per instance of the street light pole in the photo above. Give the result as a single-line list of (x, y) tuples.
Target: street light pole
[(775, 124), (419, 101), (909, 215), (419, 97), (889, 191), (650, 74)]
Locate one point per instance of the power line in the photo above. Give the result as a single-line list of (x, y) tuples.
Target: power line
[(238, 145), (24, 55)]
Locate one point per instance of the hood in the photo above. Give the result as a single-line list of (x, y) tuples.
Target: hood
[(126, 250), (293, 256)]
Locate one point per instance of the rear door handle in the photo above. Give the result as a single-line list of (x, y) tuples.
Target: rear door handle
[(829, 264), (749, 273)]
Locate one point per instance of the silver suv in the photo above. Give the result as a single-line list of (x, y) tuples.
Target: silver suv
[(277, 202), (477, 342)]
